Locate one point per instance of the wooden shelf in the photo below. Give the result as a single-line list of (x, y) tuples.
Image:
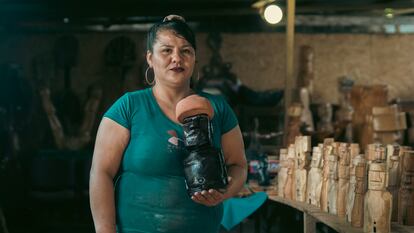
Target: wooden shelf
[(312, 215)]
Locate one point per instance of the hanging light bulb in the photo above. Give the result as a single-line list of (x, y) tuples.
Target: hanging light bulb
[(273, 14)]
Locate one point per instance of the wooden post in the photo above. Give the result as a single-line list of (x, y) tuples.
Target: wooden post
[(290, 78)]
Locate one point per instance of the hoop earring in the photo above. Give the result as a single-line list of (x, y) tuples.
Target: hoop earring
[(146, 77)]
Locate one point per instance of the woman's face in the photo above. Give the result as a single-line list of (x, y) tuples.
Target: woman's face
[(172, 59)]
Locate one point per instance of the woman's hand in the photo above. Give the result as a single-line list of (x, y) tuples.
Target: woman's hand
[(211, 197)]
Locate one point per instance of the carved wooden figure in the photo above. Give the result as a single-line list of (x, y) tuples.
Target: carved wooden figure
[(332, 183), (290, 164), (83, 136), (283, 173), (325, 113), (314, 186), (406, 194), (327, 150), (353, 152), (344, 156), (302, 150), (355, 213), (378, 201), (394, 175), (306, 117)]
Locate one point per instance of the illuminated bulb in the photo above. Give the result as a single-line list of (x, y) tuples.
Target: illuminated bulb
[(389, 13), (273, 14)]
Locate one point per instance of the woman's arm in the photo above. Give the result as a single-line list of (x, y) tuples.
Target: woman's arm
[(111, 140), (233, 149)]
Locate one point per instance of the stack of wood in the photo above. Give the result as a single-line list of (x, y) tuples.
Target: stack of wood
[(388, 124)]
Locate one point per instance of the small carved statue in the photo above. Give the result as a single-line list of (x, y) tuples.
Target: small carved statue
[(283, 172), (302, 149), (394, 174), (314, 186), (354, 153), (290, 182), (378, 201), (325, 113), (406, 194), (346, 111), (327, 150), (355, 212), (343, 176), (333, 182)]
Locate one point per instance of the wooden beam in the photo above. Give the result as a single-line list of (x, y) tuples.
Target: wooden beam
[(289, 79)]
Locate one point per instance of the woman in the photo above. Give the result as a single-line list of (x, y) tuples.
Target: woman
[(138, 146)]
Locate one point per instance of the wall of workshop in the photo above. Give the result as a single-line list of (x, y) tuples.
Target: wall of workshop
[(258, 59)]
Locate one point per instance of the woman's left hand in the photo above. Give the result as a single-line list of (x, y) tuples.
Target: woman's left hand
[(211, 197)]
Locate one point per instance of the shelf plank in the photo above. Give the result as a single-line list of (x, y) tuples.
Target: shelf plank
[(312, 213)]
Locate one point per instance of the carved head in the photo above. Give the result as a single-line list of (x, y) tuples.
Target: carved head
[(377, 176)]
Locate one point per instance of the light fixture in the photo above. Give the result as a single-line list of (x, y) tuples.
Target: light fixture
[(389, 13), (269, 11), (272, 14)]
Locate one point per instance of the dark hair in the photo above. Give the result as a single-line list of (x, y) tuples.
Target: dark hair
[(175, 24)]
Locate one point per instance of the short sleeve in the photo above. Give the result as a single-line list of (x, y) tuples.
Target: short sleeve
[(120, 111), (227, 117)]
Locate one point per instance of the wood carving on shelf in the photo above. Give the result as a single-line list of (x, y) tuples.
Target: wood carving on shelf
[(327, 150), (314, 186), (406, 193), (394, 175), (283, 172), (356, 216), (343, 178), (354, 152), (290, 164), (333, 179), (378, 201), (302, 150)]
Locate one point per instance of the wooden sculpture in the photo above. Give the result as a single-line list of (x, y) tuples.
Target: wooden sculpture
[(363, 98), (354, 152), (306, 68), (302, 150), (333, 181), (378, 201), (294, 123), (283, 172), (344, 156), (325, 113), (394, 175), (306, 117), (346, 111), (290, 181), (83, 135), (327, 150), (315, 178), (356, 213), (406, 193)]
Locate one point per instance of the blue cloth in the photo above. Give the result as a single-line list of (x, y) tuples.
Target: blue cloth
[(237, 209), (150, 191)]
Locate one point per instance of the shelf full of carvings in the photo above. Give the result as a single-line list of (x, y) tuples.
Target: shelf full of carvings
[(350, 192)]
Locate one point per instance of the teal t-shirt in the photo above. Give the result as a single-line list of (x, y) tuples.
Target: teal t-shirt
[(150, 192)]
